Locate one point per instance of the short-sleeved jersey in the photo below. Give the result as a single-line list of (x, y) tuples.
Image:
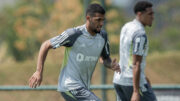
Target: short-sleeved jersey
[(82, 51), (133, 40)]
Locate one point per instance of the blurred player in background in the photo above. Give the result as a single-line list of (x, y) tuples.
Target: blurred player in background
[(132, 84)]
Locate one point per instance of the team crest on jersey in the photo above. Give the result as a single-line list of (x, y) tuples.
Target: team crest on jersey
[(83, 45), (99, 44)]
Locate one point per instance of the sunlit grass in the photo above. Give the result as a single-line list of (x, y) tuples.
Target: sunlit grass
[(162, 68)]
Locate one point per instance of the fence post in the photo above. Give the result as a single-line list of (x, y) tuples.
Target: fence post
[(103, 69)]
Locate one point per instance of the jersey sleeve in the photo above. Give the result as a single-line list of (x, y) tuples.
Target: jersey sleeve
[(106, 51), (139, 42), (67, 38)]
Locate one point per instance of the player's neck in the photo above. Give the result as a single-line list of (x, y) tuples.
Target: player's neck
[(141, 21), (89, 30)]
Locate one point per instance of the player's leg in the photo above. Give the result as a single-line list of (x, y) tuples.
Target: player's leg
[(148, 95), (81, 94), (68, 96), (122, 92)]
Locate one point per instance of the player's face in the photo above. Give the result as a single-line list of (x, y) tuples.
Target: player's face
[(148, 17), (96, 22)]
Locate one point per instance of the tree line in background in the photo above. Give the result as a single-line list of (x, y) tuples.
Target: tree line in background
[(165, 32), (28, 23)]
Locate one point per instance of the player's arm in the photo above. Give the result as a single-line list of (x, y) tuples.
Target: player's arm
[(105, 55), (36, 78), (136, 76), (67, 39), (139, 42), (111, 64)]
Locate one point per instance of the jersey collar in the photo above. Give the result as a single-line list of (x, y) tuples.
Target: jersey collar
[(138, 23)]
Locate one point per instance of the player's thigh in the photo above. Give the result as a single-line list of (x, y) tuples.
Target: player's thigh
[(68, 96), (83, 94), (149, 94), (123, 93)]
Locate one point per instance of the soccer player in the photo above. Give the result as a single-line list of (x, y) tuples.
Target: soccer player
[(84, 45), (132, 84)]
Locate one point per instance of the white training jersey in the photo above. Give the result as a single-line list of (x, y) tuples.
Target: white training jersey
[(82, 51), (133, 40)]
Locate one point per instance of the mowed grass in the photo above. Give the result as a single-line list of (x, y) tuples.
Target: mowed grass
[(162, 68)]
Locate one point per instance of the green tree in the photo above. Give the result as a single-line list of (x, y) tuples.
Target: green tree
[(20, 24)]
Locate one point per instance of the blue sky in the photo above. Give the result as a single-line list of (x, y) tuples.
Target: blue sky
[(121, 3), (6, 2)]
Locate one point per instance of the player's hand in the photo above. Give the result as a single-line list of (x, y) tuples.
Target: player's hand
[(115, 66), (135, 96), (35, 80)]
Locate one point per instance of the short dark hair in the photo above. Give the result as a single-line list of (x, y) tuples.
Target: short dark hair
[(141, 6), (95, 8)]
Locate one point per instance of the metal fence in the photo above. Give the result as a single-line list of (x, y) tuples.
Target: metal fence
[(167, 92), (163, 92)]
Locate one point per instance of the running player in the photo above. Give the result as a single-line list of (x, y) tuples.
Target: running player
[(84, 45)]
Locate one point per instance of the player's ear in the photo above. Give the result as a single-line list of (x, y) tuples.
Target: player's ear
[(139, 13), (87, 17)]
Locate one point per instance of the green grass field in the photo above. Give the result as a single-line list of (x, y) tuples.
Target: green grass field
[(162, 68)]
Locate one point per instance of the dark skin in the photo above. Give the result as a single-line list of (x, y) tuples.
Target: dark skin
[(146, 17), (93, 25)]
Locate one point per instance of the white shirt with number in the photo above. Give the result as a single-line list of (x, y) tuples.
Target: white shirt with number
[(133, 41)]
